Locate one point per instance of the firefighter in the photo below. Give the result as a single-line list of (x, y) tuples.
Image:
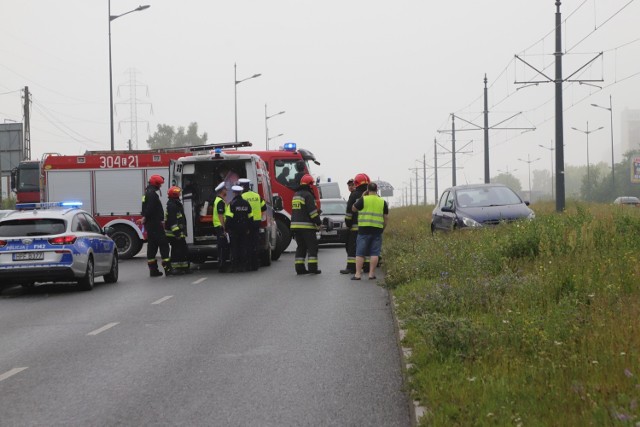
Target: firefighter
[(257, 207), (175, 225), (237, 222), (360, 182), (152, 216), (220, 208), (305, 221)]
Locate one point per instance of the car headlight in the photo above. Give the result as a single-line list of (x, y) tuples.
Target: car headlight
[(469, 222), (532, 215)]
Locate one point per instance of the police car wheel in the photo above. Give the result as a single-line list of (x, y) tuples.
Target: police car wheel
[(86, 283), (112, 276)]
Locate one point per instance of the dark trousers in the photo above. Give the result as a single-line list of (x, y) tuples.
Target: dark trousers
[(307, 248), (239, 252), (223, 249), (179, 254), (254, 245), (352, 238), (156, 239)]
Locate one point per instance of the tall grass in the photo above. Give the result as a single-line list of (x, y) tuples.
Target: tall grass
[(531, 323)]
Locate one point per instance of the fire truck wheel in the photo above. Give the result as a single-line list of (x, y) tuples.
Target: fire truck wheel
[(283, 239), (127, 241)]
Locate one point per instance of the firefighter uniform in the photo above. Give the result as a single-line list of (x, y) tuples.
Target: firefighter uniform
[(153, 214), (351, 221), (305, 221), (175, 225), (257, 207), (220, 209), (238, 221)]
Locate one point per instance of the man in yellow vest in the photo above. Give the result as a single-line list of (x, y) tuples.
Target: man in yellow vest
[(222, 236), (257, 207), (373, 212)]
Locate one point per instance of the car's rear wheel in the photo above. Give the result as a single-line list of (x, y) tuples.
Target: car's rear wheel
[(86, 283), (112, 276)]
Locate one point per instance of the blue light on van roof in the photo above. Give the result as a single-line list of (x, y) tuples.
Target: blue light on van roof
[(290, 146), (48, 205)]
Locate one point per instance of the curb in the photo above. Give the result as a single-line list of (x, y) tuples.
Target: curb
[(416, 410)]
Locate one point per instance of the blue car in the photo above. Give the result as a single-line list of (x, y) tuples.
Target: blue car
[(472, 206), (55, 242)]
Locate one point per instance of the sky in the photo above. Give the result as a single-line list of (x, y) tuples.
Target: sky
[(365, 85)]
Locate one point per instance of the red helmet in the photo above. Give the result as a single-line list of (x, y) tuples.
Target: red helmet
[(306, 180), (360, 179), (156, 180), (174, 192)]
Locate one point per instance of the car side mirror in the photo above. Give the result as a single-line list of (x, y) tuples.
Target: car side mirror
[(277, 203), (108, 231), (526, 202), (447, 209)]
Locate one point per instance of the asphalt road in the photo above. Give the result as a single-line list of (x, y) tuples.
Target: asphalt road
[(266, 348)]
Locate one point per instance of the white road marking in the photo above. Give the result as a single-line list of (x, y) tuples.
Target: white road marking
[(161, 300), (104, 328), (199, 281), (11, 373)]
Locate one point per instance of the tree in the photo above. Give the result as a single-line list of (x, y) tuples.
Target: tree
[(508, 180), (167, 137)]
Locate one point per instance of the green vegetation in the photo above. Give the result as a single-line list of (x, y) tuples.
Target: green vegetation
[(531, 323), (8, 203)]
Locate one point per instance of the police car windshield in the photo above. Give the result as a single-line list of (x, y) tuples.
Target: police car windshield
[(32, 227)]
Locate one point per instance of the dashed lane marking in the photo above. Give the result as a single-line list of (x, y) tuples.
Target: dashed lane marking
[(104, 328), (11, 373), (199, 281), (161, 300)]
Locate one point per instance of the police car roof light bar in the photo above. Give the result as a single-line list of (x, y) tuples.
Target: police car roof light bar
[(47, 205)]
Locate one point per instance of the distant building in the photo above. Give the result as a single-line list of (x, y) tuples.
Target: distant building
[(630, 126)]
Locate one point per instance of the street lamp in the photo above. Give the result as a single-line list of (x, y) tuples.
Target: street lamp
[(587, 132), (529, 161), (266, 128), (610, 108), (273, 137), (111, 18), (237, 82), (550, 148)]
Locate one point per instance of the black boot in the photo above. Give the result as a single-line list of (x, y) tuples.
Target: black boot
[(155, 272), (300, 270)]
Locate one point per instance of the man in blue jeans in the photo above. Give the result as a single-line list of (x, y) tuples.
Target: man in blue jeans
[(373, 213)]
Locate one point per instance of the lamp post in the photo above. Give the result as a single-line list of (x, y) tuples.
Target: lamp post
[(529, 161), (550, 148), (235, 93), (111, 18), (266, 128), (587, 132), (610, 108), (273, 137)]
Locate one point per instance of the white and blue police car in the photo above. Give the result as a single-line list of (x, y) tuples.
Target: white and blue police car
[(55, 242)]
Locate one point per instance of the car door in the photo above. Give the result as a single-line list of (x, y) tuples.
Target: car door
[(438, 216), (102, 245), (448, 218)]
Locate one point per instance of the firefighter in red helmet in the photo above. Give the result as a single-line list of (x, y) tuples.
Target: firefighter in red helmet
[(152, 217), (175, 225), (360, 181), (305, 221)]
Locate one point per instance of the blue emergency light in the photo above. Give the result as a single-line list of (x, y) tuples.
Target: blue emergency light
[(47, 205), (290, 146)]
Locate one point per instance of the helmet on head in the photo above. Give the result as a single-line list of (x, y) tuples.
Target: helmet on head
[(156, 180), (361, 179), (306, 179), (174, 192)]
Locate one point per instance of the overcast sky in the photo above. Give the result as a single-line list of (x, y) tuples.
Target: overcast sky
[(366, 85)]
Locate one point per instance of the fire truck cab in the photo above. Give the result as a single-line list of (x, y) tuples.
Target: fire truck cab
[(199, 175)]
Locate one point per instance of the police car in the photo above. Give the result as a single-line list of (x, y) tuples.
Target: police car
[(55, 242)]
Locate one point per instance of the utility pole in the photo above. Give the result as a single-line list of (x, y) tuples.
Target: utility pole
[(453, 149), (26, 150), (559, 125), (133, 103), (487, 177), (435, 168)]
